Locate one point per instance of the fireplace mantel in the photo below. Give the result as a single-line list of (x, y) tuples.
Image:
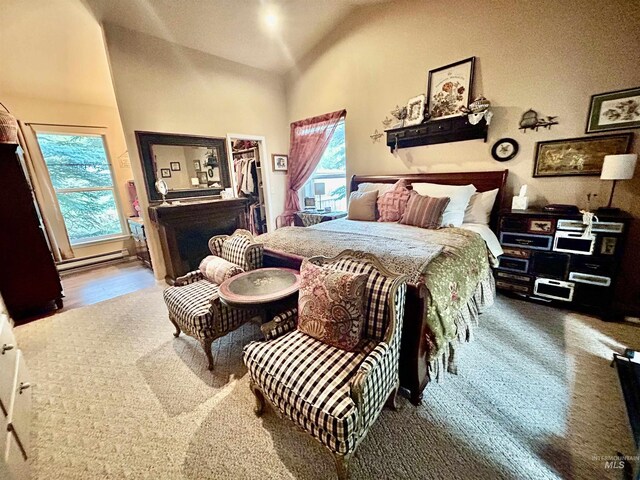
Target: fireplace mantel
[(185, 229)]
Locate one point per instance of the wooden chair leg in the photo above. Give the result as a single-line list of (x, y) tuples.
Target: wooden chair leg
[(342, 465), (391, 401), (177, 332), (206, 345), (259, 408)]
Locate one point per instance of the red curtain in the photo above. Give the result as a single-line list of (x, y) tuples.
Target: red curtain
[(309, 140)]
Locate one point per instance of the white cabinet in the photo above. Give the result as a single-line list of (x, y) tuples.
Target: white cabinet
[(15, 406)]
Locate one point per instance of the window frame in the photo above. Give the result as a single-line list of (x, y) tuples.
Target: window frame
[(313, 176), (86, 132)]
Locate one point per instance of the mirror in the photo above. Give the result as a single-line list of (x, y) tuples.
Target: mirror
[(189, 166)]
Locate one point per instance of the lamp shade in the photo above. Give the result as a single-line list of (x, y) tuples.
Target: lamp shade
[(318, 188), (618, 167), (8, 128)]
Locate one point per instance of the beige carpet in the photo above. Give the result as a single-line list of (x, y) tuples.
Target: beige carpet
[(117, 397)]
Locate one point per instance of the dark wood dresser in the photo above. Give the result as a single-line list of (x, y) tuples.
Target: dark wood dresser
[(546, 257), (29, 279), (185, 229)]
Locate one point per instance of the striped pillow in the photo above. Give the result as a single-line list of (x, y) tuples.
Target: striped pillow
[(217, 270), (424, 211), (391, 205)]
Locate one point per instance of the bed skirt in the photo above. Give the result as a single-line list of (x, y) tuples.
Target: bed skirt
[(466, 319)]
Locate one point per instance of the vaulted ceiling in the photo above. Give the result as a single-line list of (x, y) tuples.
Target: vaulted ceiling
[(237, 30)]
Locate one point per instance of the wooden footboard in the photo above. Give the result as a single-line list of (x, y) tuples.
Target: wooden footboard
[(414, 349)]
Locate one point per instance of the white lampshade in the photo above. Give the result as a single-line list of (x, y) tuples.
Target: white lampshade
[(195, 181), (618, 167), (319, 188)]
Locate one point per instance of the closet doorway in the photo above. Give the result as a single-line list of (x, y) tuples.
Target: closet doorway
[(250, 170)]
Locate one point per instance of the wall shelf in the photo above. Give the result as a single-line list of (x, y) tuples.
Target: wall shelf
[(454, 129)]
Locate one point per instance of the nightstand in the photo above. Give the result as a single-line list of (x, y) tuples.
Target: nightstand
[(307, 218), (547, 258)]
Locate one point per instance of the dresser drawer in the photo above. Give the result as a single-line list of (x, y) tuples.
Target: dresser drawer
[(20, 406), (8, 354), (550, 265), (513, 287), (513, 277), (514, 224), (592, 265), (16, 462), (513, 264), (526, 240)]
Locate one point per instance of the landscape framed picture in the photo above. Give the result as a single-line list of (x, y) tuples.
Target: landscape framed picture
[(619, 110), (577, 156), (449, 89), (175, 166)]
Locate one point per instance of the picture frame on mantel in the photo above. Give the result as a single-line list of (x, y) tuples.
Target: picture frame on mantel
[(619, 110), (449, 89), (582, 156)]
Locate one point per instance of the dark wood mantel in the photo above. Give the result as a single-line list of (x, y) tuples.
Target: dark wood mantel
[(185, 230)]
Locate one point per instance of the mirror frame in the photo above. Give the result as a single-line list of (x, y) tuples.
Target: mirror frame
[(146, 140)]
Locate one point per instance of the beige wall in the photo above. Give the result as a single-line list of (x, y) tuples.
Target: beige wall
[(162, 87), (546, 55), (38, 110)]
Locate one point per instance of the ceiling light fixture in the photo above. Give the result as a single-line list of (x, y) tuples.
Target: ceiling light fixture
[(271, 18)]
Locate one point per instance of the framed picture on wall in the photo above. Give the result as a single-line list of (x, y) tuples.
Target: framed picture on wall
[(202, 176), (165, 173), (196, 165), (577, 156), (280, 162), (617, 110), (175, 166), (449, 89)]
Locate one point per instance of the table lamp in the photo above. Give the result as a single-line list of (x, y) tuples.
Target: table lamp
[(617, 167), (319, 191)]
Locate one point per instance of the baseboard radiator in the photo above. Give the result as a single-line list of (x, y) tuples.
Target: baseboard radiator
[(77, 263)]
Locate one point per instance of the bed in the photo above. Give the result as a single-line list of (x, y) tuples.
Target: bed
[(449, 270)]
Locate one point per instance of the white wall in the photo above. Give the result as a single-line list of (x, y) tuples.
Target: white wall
[(163, 87), (547, 55)]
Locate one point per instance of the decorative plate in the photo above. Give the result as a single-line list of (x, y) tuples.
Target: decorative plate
[(504, 149)]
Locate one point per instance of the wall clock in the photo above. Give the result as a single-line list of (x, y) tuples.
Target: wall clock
[(504, 149)]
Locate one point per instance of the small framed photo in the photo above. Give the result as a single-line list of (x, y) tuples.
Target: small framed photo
[(175, 166), (619, 110), (165, 173), (449, 89), (202, 176), (280, 162), (415, 111), (309, 202), (608, 246), (537, 225), (196, 165)]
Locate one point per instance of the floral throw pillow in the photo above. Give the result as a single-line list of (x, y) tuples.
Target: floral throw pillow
[(391, 205), (217, 269), (331, 305)]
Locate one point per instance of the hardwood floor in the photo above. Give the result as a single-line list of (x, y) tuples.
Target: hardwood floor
[(102, 283)]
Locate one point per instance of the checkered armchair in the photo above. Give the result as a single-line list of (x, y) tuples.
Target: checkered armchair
[(193, 301), (333, 394)]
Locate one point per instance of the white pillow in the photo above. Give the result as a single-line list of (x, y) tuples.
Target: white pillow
[(459, 195), (382, 188), (480, 206)]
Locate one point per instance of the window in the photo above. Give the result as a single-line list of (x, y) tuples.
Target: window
[(81, 177), (330, 176)]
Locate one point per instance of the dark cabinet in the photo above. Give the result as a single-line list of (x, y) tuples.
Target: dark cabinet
[(546, 256), (29, 279)]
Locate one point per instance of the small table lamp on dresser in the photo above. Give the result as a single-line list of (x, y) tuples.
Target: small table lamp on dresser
[(617, 167)]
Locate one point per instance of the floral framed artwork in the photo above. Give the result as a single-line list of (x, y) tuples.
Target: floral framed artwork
[(449, 89), (415, 111), (280, 162), (617, 110), (577, 156)]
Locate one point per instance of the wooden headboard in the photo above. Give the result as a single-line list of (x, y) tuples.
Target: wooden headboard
[(483, 182)]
